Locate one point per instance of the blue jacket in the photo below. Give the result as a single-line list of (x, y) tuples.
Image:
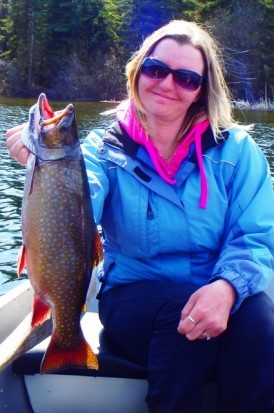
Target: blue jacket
[(154, 230)]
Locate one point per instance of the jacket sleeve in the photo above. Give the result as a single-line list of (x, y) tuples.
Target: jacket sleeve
[(96, 172), (246, 259)]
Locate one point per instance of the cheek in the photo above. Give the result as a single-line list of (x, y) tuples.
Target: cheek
[(198, 95), (189, 97), (145, 86), (142, 87)]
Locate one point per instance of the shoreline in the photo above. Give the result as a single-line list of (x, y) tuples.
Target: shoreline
[(263, 105)]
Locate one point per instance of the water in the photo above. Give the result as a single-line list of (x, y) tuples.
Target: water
[(12, 175)]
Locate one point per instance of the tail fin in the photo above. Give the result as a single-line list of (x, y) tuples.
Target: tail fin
[(57, 358)]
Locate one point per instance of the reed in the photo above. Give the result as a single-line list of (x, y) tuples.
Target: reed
[(262, 105)]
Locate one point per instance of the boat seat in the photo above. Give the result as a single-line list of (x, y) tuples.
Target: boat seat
[(116, 380), (111, 362)]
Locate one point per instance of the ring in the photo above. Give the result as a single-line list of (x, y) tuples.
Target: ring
[(207, 336), (192, 320)]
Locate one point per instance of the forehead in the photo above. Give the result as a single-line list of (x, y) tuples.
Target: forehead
[(179, 56)]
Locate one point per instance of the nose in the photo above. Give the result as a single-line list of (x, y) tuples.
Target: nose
[(168, 82)]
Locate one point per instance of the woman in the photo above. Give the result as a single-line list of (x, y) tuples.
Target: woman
[(180, 192)]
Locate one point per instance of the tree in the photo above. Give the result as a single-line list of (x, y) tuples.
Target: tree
[(3, 25), (243, 30), (80, 47)]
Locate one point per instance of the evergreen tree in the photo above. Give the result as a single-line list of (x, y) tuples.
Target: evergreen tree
[(3, 26), (82, 46), (19, 32), (245, 30)]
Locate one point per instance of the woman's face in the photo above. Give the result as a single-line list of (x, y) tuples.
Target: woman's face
[(162, 99)]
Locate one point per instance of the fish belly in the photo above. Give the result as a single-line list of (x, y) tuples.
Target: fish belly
[(57, 234)]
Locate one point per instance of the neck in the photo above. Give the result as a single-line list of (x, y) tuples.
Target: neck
[(164, 137), (166, 149)]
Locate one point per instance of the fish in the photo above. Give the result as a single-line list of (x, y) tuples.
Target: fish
[(61, 242)]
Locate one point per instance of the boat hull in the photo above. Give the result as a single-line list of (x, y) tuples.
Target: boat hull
[(119, 386)]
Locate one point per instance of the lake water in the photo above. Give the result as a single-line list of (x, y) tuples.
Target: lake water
[(89, 116)]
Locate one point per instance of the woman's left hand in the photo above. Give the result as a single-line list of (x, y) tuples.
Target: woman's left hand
[(206, 313), (15, 144)]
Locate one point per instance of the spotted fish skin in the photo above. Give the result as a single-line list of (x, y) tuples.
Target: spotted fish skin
[(60, 238)]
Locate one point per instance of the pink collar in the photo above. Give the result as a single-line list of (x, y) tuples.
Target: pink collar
[(130, 122)]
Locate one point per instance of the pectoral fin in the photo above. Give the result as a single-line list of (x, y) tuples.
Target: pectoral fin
[(97, 250), (21, 260), (41, 312)]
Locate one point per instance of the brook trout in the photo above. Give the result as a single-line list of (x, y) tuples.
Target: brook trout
[(61, 244)]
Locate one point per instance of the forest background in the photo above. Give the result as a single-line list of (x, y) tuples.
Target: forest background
[(78, 49)]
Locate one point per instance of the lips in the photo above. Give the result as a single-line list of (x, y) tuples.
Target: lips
[(163, 96)]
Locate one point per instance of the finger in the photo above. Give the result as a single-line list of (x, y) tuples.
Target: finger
[(188, 316), (206, 335), (189, 306), (23, 155), (17, 150), (187, 325), (199, 333), (15, 129), (12, 139)]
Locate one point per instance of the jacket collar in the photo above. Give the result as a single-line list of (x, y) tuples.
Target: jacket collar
[(118, 138)]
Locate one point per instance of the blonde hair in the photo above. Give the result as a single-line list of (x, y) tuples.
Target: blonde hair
[(214, 102)]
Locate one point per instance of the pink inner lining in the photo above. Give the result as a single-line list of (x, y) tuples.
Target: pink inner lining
[(130, 122)]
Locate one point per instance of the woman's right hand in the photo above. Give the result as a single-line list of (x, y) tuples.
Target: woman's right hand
[(15, 145)]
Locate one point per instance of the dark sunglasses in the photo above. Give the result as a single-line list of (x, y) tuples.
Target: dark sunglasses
[(186, 79)]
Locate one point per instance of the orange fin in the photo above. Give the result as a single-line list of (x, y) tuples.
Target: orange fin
[(21, 260), (57, 358), (41, 312), (97, 250)]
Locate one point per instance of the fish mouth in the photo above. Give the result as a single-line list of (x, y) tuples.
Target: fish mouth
[(48, 116), (51, 135)]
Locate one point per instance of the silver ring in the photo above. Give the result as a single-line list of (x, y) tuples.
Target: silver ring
[(192, 320), (207, 336)]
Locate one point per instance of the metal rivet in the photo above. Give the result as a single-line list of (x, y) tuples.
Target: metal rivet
[(101, 150)]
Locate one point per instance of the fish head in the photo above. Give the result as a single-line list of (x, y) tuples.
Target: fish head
[(51, 135)]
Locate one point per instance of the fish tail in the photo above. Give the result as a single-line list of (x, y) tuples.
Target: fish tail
[(41, 312), (57, 358)]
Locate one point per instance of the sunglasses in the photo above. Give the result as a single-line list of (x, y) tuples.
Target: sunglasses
[(186, 79)]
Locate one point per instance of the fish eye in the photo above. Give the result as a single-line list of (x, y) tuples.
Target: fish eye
[(64, 128)]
